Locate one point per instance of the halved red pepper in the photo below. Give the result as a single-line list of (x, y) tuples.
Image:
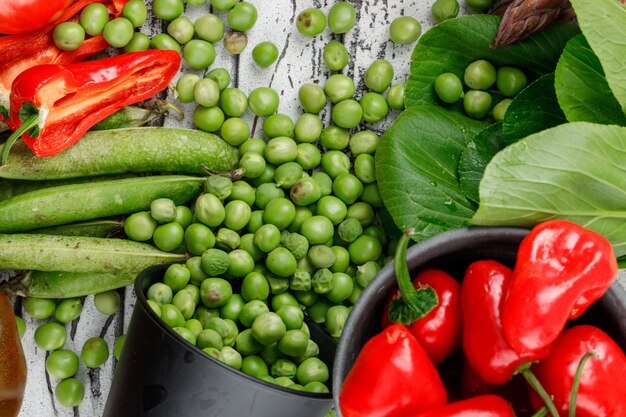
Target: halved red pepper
[(602, 388), (63, 101), (561, 269), (481, 406), (20, 16), (23, 51), (391, 377)]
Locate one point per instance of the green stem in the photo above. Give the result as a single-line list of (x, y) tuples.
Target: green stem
[(542, 412), (26, 125), (536, 385), (403, 277), (576, 385)]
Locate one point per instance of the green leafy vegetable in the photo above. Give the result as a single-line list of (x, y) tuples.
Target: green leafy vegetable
[(416, 164), (581, 87), (476, 156), (574, 171), (452, 45), (534, 109), (603, 22)]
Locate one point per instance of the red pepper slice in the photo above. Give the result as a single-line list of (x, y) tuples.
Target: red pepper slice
[(561, 269), (13, 364), (391, 377), (19, 16), (64, 101), (481, 406), (439, 331), (20, 52), (602, 389)]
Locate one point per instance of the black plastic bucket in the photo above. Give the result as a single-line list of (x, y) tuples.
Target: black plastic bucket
[(453, 251), (161, 375)]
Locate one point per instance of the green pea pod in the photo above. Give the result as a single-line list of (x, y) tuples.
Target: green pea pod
[(92, 228), (79, 254), (141, 149), (76, 202)]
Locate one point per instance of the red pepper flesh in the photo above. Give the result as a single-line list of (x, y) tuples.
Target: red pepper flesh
[(487, 350), (391, 377), (561, 269), (602, 389), (439, 331), (481, 406), (22, 16), (72, 98)]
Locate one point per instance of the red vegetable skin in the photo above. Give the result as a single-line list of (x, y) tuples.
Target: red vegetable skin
[(22, 16), (12, 362), (487, 350), (481, 406), (391, 377), (69, 99), (439, 331), (602, 390), (561, 269)]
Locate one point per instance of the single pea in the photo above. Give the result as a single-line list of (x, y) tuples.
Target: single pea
[(247, 244), (203, 314), (279, 212), (265, 54), (296, 244), (223, 5), (165, 42), (292, 316), (242, 16), (220, 76), (317, 230), (255, 366), (332, 208), (215, 292), (395, 96), (185, 86), (255, 223), (342, 287), (62, 364), (139, 42), (375, 107), (209, 338), (376, 231), (39, 308), (118, 346), (341, 17), (364, 168), (68, 36), (371, 195), (324, 181), (206, 92), (339, 87), (288, 174), (479, 5), (95, 15), (335, 56), (308, 156), (169, 236), (118, 32), (321, 256), (163, 210), (181, 29), (378, 75), (107, 302), (363, 142), (277, 125), (235, 42), (253, 164), (281, 262), (347, 187), (266, 177), (349, 229), (284, 368), (194, 326), (335, 163), (218, 185), (232, 308), (444, 9), (172, 316), (342, 259), (135, 11), (317, 310), (499, 110), (246, 344), (50, 336), (235, 131), (448, 87), (177, 276), (366, 273), (293, 343), (227, 239), (209, 119), (209, 27), (70, 392), (477, 103), (510, 81), (199, 54), (311, 22), (251, 310), (184, 216), (167, 9), (159, 293), (308, 128), (305, 191), (347, 114), (312, 98), (364, 249), (336, 317), (94, 352), (480, 75), (302, 213), (232, 358), (363, 212), (21, 326), (194, 291), (281, 150), (186, 334), (315, 386), (194, 265), (241, 263), (255, 287), (214, 262), (209, 210), (268, 328), (233, 102), (254, 145), (404, 30), (237, 214), (263, 101), (198, 238), (267, 192)]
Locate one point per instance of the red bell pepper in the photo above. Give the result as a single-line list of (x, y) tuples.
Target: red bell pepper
[(22, 16), (561, 269), (63, 101), (602, 389), (13, 364), (23, 51), (439, 331), (481, 406), (391, 377)]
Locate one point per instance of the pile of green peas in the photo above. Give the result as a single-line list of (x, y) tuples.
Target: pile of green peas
[(480, 78), (62, 364)]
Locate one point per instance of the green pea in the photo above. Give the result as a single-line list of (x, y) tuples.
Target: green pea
[(165, 42), (209, 210), (364, 249), (232, 358), (338, 137), (363, 142), (198, 238), (479, 5), (233, 101), (342, 287), (444, 10), (194, 326), (267, 192), (209, 338), (215, 292), (332, 208), (279, 212), (404, 30), (220, 186), (268, 328), (62, 364), (186, 334), (284, 368), (448, 87), (21, 326), (209, 119), (349, 229), (227, 239), (395, 96), (172, 316), (266, 177), (235, 42), (255, 287), (135, 11), (233, 307), (375, 107), (363, 212), (70, 392), (306, 298), (199, 54), (209, 27), (311, 22), (220, 76), (317, 310), (317, 230), (291, 315), (293, 343), (308, 127), (263, 101), (254, 145), (206, 92), (107, 302), (277, 125), (499, 110), (241, 263), (305, 191), (324, 182), (312, 350), (480, 75), (308, 156), (95, 16), (265, 54), (185, 87), (339, 87), (242, 16), (39, 308), (379, 75), (169, 236), (302, 213), (335, 163), (68, 36), (321, 256), (281, 150), (336, 317), (366, 273), (194, 291), (312, 98), (181, 29), (254, 365), (347, 187), (68, 310), (215, 262), (167, 9), (315, 386), (139, 42), (223, 5), (237, 214), (50, 336), (163, 210), (235, 131), (251, 310), (342, 259), (288, 174), (154, 306), (194, 265), (341, 17), (184, 216), (160, 293), (335, 56), (281, 262), (477, 103), (95, 352), (118, 32), (185, 302), (510, 81), (364, 168), (246, 344), (253, 164)]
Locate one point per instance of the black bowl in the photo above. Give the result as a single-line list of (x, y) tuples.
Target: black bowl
[(162, 375), (453, 251)]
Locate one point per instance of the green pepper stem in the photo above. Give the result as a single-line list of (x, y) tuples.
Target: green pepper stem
[(576, 384), (536, 385), (26, 125), (542, 412), (407, 290)]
